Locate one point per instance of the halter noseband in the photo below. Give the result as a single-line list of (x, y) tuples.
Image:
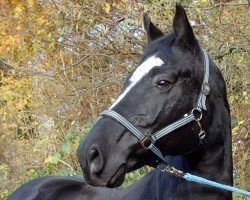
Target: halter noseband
[(147, 140)]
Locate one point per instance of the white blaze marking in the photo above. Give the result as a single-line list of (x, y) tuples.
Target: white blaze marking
[(138, 74)]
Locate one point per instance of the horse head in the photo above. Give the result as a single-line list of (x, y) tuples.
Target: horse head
[(165, 86)]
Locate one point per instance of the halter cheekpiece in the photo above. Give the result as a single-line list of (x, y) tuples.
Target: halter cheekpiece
[(148, 140)]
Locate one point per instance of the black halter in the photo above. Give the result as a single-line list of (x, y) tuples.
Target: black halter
[(148, 141)]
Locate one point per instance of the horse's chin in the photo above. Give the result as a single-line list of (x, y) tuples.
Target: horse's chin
[(118, 178), (114, 181)]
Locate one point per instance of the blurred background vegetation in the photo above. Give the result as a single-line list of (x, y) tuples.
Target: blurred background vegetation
[(63, 61)]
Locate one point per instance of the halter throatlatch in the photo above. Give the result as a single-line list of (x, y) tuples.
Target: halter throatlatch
[(147, 140)]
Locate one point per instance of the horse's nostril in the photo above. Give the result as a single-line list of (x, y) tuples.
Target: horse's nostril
[(93, 154), (95, 160)]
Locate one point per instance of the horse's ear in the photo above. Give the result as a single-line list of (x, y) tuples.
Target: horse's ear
[(152, 31), (184, 33)]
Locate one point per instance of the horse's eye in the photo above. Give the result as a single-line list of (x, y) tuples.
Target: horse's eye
[(163, 83)]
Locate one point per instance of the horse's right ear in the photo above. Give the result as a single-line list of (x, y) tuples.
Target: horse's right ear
[(152, 31), (184, 33)]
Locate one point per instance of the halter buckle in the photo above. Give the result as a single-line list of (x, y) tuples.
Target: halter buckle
[(202, 135), (146, 141), (205, 89)]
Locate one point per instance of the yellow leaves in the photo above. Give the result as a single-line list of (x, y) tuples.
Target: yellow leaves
[(2, 32), (240, 60), (18, 28), (4, 194), (30, 3), (21, 104), (204, 1), (19, 23), (16, 98), (79, 113), (241, 122), (20, 5), (232, 39), (107, 8), (41, 32), (237, 128), (48, 160), (8, 42), (19, 9), (226, 12)]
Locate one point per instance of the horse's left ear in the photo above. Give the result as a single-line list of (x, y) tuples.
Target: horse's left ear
[(152, 31), (184, 33)]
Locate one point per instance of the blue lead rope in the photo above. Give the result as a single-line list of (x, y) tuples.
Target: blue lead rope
[(197, 179)]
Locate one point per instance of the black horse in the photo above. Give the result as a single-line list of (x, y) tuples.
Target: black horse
[(164, 87)]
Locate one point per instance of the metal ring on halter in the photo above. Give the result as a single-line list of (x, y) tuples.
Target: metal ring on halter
[(146, 141), (197, 114)]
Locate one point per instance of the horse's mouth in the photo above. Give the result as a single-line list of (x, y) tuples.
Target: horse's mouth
[(118, 178)]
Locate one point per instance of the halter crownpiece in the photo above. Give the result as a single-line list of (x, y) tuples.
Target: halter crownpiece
[(148, 141), (205, 89)]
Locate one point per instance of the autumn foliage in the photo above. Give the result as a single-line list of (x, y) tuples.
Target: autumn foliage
[(63, 62)]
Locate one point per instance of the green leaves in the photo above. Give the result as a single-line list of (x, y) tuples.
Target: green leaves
[(56, 157), (134, 176), (66, 147)]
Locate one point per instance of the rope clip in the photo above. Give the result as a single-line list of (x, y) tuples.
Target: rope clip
[(202, 135)]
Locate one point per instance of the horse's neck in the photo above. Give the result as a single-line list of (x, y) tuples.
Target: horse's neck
[(214, 159)]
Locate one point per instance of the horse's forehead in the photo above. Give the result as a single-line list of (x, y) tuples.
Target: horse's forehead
[(145, 67), (141, 71)]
